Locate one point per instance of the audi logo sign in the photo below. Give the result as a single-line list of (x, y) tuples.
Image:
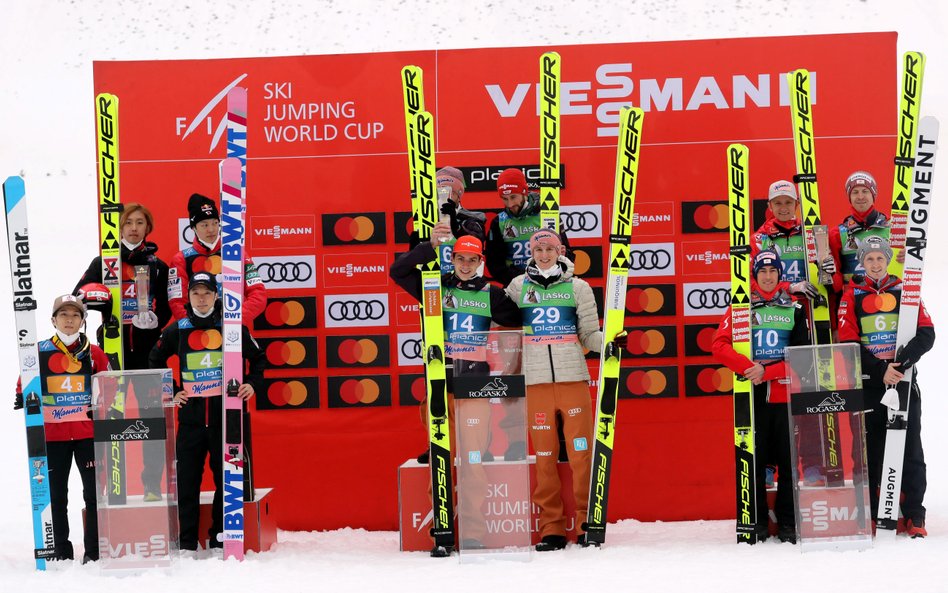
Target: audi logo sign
[(652, 259), (581, 222), (356, 310), (707, 298), (287, 272), (409, 349), (185, 234)]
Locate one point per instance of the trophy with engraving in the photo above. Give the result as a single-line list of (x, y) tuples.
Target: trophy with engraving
[(494, 510), (826, 406), (140, 531)]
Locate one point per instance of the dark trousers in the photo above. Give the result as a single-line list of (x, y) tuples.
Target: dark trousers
[(60, 455), (772, 445), (914, 480), (194, 444)]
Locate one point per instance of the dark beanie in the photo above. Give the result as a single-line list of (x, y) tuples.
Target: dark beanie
[(201, 208)]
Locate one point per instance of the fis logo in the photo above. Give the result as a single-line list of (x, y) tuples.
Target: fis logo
[(185, 126)]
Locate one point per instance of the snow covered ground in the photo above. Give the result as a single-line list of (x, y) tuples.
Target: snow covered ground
[(47, 48)]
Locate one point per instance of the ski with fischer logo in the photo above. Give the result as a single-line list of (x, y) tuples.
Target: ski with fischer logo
[(550, 64), (815, 239), (623, 208), (24, 311)]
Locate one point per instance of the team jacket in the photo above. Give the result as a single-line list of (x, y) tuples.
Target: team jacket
[(199, 258), (845, 238), (134, 338), (507, 249), (464, 222), (788, 241), (777, 321), (199, 360), (468, 305), (66, 376), (549, 306), (869, 315)]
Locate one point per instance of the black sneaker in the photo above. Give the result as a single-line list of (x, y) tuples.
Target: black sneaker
[(787, 533), (440, 551), (516, 451), (550, 543), (424, 457)]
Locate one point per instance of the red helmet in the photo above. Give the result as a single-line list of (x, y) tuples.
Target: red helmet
[(96, 297)]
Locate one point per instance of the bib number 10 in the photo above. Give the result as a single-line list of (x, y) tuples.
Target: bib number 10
[(766, 338)]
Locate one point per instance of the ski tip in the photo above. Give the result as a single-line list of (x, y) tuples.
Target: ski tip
[(237, 100), (13, 191)]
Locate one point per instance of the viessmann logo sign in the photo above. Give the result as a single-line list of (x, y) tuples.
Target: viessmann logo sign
[(343, 270), (285, 231)]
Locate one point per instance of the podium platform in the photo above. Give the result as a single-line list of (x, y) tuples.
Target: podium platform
[(503, 508)]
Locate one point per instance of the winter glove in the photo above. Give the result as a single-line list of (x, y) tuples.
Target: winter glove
[(828, 265), (804, 288), (905, 358), (449, 208), (146, 320), (18, 401)]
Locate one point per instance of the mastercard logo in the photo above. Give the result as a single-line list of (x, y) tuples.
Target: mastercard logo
[(287, 393), (705, 338), (210, 264), (60, 363), (361, 351), (284, 313), (715, 380), (354, 228), (285, 353), (879, 303), (711, 217), (641, 382), (582, 264), (359, 391), (646, 342), (205, 339), (419, 389), (644, 300)]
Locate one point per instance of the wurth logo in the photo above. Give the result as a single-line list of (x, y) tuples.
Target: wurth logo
[(185, 126)]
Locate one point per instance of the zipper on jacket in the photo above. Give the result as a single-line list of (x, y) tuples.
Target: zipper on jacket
[(549, 351)]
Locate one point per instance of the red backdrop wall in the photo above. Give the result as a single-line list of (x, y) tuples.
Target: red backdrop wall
[(327, 210)]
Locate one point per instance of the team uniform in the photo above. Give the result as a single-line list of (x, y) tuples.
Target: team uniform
[(469, 308), (507, 250), (855, 229), (559, 319), (869, 316), (777, 321), (196, 342), (785, 238), (200, 257)]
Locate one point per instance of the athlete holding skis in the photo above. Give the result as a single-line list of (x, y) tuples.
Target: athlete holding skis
[(67, 362), (470, 304), (196, 341), (777, 321), (864, 221), (204, 255), (559, 319), (140, 329), (869, 315)]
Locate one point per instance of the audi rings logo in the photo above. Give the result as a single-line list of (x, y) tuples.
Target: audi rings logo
[(287, 272), (582, 221), (707, 298), (652, 259), (409, 349), (185, 234), (356, 310)]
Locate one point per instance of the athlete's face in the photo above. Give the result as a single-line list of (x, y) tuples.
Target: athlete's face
[(545, 255), (68, 320), (202, 299), (861, 199), (876, 265), (208, 230), (768, 277), (784, 208), (135, 228), (465, 265), (513, 202)]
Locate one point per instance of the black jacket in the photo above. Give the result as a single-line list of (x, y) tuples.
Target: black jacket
[(206, 411)]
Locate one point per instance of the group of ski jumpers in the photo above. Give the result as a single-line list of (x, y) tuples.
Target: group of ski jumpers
[(531, 271), (856, 273), (182, 300)]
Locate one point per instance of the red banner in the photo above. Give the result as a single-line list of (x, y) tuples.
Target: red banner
[(327, 189)]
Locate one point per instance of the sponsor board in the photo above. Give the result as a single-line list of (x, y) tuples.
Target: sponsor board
[(344, 270), (284, 231), (357, 351), (287, 393), (705, 258), (409, 349), (287, 272), (706, 298), (355, 310), (652, 259), (359, 391), (581, 222)]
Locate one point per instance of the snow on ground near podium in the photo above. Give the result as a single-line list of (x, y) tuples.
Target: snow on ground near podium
[(653, 557), (46, 134)]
